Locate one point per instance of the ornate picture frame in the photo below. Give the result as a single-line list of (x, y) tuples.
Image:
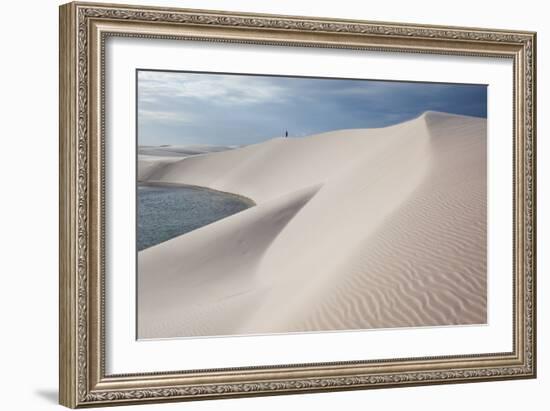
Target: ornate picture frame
[(84, 29)]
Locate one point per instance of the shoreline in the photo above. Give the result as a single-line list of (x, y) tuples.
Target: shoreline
[(247, 200)]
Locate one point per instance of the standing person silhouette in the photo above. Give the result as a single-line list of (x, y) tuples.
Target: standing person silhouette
[(286, 133)]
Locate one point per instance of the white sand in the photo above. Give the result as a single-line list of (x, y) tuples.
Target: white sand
[(152, 158), (352, 229)]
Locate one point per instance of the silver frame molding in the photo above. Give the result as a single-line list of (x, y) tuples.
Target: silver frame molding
[(84, 27)]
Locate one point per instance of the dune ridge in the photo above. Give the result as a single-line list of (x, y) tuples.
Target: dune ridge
[(352, 229)]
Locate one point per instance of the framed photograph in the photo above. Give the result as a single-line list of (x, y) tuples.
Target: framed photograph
[(260, 204)]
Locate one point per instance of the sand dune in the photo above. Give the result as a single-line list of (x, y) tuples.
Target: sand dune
[(180, 151), (363, 228), (152, 158)]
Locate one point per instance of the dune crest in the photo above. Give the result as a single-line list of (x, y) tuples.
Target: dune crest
[(360, 228)]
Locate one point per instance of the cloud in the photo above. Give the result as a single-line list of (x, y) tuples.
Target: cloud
[(217, 89), (164, 116), (209, 108)]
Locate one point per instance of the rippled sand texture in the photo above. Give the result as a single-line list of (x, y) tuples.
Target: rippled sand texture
[(353, 229)]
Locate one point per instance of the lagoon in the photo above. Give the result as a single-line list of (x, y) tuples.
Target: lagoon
[(167, 211)]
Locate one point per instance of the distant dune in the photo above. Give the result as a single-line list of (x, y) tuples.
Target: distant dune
[(352, 229), (151, 158), (184, 151)]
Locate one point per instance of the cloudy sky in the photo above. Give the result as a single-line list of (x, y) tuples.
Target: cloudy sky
[(219, 109)]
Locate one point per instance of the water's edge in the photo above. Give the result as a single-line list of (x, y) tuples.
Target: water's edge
[(167, 210), (245, 199)]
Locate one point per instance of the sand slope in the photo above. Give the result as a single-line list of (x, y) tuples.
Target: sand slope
[(352, 229)]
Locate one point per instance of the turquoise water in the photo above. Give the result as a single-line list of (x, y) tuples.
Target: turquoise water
[(165, 212)]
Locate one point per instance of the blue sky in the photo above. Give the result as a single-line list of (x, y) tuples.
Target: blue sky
[(222, 109)]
